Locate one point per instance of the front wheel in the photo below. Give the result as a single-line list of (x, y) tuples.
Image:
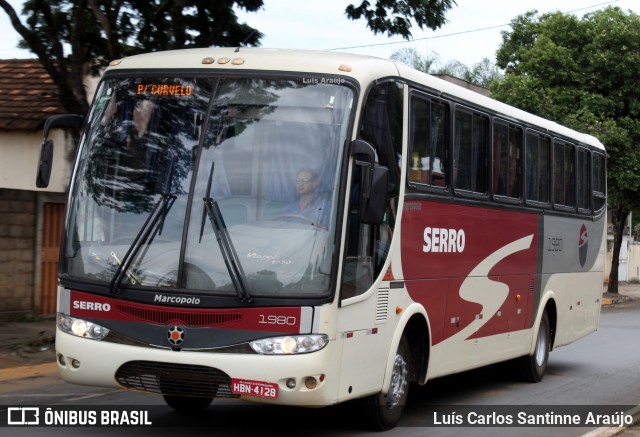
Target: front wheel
[(187, 403), (184, 398), (534, 366), (384, 411)]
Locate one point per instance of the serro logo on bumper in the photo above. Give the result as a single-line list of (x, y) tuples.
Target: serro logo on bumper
[(91, 306)]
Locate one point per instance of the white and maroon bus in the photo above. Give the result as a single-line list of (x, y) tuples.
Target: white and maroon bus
[(445, 231)]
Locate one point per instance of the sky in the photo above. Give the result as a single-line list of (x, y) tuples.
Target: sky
[(471, 34)]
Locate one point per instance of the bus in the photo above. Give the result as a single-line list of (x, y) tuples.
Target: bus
[(308, 228)]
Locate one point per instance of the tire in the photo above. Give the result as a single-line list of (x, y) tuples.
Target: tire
[(187, 404), (185, 398), (383, 412), (533, 366)]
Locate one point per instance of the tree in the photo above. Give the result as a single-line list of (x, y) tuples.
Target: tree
[(410, 56), (394, 16), (482, 74), (583, 73), (74, 37)]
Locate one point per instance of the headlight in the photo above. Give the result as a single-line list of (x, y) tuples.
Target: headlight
[(81, 328), (290, 344)]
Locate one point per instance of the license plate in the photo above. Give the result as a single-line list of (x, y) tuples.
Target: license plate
[(259, 389)]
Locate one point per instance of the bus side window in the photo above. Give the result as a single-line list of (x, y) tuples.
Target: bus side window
[(599, 182), (367, 245), (470, 151), (428, 141), (538, 165), (564, 174), (584, 180), (358, 269), (507, 156)]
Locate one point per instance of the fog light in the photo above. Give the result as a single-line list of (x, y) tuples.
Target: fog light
[(61, 360), (291, 383), (310, 382), (75, 364)]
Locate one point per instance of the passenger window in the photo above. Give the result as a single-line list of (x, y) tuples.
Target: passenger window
[(507, 147), (599, 181), (584, 179), (538, 165), (470, 152), (564, 174), (428, 140)]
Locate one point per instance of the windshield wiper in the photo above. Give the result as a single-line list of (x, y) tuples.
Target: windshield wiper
[(229, 254), (157, 216)]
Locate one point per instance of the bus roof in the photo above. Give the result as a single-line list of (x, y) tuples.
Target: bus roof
[(364, 69)]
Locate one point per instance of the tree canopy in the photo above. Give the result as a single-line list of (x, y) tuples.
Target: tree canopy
[(74, 37), (583, 73), (394, 16), (482, 74)]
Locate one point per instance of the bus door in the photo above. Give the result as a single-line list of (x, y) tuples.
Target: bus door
[(362, 323), (363, 315)]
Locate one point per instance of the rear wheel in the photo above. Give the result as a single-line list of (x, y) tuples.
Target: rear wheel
[(533, 366), (384, 411)]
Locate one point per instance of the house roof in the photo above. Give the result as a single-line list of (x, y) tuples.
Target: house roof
[(28, 95)]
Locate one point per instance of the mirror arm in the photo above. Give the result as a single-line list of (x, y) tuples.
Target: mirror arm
[(62, 120)]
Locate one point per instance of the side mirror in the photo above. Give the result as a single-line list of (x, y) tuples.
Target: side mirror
[(372, 208), (364, 151), (44, 164), (373, 185), (46, 150)]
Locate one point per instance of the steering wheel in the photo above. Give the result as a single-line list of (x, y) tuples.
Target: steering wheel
[(299, 217)]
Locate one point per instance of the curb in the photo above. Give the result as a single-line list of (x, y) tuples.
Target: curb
[(613, 299)]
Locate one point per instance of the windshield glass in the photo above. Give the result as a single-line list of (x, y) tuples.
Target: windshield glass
[(226, 186)]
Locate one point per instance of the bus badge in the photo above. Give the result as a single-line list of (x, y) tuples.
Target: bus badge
[(583, 245), (175, 335)]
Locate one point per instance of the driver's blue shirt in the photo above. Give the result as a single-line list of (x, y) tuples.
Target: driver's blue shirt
[(315, 212)]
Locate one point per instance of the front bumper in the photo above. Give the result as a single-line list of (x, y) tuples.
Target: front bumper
[(104, 364)]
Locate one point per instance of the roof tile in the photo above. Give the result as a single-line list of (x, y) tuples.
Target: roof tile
[(28, 95)]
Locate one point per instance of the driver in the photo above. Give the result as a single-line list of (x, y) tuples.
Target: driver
[(310, 206)]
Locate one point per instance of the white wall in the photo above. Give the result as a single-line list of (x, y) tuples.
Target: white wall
[(633, 261), (19, 155)]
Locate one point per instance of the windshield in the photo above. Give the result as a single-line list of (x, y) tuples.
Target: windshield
[(226, 186)]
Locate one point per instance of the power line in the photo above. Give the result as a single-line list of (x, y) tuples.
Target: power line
[(462, 32)]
